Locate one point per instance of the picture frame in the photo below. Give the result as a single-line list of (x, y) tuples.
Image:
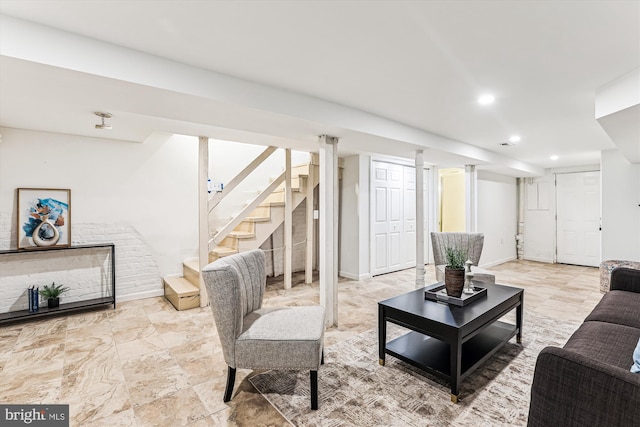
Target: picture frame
[(44, 218)]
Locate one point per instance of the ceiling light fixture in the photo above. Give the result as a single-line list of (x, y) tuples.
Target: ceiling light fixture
[(486, 99), (554, 157), (514, 138), (103, 125)]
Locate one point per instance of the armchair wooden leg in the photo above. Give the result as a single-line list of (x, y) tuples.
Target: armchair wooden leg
[(313, 375), (231, 379), (322, 358)]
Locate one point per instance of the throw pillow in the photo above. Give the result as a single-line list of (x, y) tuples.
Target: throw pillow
[(636, 359)]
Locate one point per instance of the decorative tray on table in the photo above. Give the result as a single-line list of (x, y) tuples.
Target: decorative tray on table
[(437, 292)]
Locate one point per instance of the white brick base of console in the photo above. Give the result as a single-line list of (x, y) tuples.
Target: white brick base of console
[(85, 272)]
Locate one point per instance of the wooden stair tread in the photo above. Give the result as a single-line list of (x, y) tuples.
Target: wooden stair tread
[(242, 234), (181, 286), (258, 218), (222, 251), (192, 264)]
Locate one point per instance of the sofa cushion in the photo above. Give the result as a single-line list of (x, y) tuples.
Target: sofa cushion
[(605, 342), (618, 307)]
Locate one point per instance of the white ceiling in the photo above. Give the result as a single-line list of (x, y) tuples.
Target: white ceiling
[(418, 63)]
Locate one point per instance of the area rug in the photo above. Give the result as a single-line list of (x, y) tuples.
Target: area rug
[(354, 390)]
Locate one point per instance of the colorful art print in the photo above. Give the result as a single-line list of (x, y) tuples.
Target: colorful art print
[(44, 218)]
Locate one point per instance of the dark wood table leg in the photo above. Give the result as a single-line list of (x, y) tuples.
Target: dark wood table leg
[(456, 366), (519, 318), (382, 334)]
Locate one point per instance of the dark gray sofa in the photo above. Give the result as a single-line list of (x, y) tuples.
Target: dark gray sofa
[(588, 381)]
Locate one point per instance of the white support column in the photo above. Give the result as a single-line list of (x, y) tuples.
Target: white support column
[(308, 260), (471, 184), (419, 219), (329, 227), (203, 213), (288, 219)]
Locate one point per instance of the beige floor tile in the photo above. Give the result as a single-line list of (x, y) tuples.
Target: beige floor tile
[(177, 409), (120, 419), (92, 371), (153, 376), (110, 403), (149, 344)]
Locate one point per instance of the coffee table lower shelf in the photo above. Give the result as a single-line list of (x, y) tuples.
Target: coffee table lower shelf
[(433, 355)]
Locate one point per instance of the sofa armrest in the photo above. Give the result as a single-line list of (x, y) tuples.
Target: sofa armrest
[(570, 389), (625, 279)]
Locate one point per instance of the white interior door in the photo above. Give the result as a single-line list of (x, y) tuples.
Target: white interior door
[(387, 217), (578, 218)]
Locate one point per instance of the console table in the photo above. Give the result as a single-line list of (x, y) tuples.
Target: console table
[(19, 315)]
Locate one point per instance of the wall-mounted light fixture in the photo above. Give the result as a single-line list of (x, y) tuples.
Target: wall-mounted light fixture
[(102, 115)]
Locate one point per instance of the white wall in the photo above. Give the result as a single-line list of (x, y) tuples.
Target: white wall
[(141, 196), (497, 217), (620, 207), (354, 218)]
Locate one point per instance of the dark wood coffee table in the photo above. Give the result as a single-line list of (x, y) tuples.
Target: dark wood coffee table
[(447, 340)]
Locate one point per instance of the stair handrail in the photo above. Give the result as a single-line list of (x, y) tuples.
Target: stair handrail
[(217, 197), (224, 231)]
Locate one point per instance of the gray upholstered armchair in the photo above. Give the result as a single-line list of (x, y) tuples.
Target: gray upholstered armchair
[(253, 337), (472, 243)]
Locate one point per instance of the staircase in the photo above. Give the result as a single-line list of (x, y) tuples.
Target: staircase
[(256, 228), (250, 233)]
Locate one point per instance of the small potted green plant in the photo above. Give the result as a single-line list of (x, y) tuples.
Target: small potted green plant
[(52, 294), (454, 271)]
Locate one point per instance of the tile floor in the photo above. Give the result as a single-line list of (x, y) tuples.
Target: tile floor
[(146, 364)]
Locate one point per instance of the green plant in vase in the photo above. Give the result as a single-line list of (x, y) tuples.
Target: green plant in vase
[(454, 271), (52, 294)]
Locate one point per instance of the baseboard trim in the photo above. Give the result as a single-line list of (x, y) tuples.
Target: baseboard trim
[(502, 261), (532, 258), (140, 295), (354, 276)]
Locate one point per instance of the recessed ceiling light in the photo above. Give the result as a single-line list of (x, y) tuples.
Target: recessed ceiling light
[(554, 157), (486, 99), (514, 138)]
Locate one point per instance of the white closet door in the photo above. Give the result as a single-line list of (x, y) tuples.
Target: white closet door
[(393, 217), (578, 218), (380, 218), (396, 215), (387, 217)]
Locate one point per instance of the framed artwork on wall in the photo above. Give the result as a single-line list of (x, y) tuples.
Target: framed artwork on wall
[(44, 218)]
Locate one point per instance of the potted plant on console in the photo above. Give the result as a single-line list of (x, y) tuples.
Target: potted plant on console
[(454, 271), (52, 294)]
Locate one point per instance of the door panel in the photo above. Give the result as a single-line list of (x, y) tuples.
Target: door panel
[(381, 265), (578, 218)]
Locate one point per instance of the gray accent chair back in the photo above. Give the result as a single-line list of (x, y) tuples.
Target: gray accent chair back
[(253, 337), (471, 242)]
